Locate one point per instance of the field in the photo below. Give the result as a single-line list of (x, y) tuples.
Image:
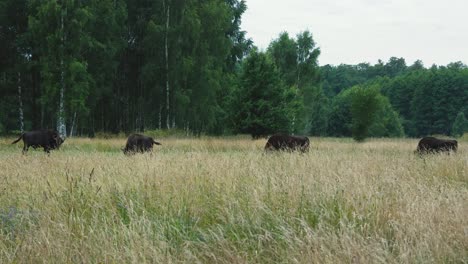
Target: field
[(222, 200)]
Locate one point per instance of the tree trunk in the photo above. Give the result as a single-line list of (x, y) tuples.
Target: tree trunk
[(20, 102), (160, 117), (61, 126), (167, 9), (73, 125), (187, 128), (36, 94), (42, 115)]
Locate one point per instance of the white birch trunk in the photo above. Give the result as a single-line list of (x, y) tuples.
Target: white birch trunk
[(61, 126), (167, 9), (20, 102)]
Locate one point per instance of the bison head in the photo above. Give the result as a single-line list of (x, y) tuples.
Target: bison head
[(57, 141)]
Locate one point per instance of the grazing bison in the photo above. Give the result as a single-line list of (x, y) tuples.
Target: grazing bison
[(287, 143), (139, 143), (434, 145), (47, 139)]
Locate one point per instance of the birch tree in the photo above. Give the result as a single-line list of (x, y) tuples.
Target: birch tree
[(167, 11), (61, 126), (20, 104)]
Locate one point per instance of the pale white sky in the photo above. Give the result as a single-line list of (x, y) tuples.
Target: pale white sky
[(354, 31)]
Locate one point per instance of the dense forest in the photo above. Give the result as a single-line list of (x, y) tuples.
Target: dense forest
[(90, 66)]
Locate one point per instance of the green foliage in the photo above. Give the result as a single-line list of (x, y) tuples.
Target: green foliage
[(284, 54), (296, 60), (79, 87), (109, 59), (362, 111), (261, 105), (427, 100), (460, 125), (317, 111), (337, 78), (339, 124), (395, 66), (294, 108), (364, 106), (387, 122), (439, 94)]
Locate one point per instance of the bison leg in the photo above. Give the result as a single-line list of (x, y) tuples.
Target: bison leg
[(305, 148), (25, 148), (141, 149), (47, 150)]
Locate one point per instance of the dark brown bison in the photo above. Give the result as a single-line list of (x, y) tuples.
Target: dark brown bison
[(47, 139), (434, 145), (287, 143), (139, 143)]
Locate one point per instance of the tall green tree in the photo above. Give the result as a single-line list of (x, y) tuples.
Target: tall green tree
[(108, 40), (14, 57), (119, 65), (240, 44), (297, 62), (260, 104), (59, 29), (283, 51), (315, 103), (395, 66)]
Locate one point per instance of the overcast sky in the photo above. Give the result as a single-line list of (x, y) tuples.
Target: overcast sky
[(354, 31)]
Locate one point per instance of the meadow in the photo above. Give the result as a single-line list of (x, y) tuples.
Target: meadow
[(222, 200)]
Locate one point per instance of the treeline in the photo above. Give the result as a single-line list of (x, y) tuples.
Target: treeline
[(118, 65), (91, 66), (414, 100)]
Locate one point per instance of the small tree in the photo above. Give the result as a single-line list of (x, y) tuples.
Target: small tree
[(460, 125), (364, 105)]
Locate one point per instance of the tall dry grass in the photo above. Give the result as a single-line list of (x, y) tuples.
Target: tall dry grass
[(215, 200)]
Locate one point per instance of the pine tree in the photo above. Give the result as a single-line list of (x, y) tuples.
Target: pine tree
[(261, 103)]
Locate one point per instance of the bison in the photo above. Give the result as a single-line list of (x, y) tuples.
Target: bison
[(139, 143), (47, 139), (287, 143), (434, 145)]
